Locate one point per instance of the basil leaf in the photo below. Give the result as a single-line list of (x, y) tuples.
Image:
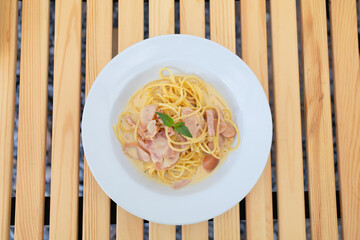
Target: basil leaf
[(179, 124), (167, 120), (183, 130)]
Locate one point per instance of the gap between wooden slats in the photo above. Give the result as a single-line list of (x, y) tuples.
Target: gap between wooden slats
[(30, 183), (161, 21), (319, 139), (346, 69), (66, 121), (130, 31), (8, 45), (222, 31), (99, 22), (192, 21), (259, 215), (289, 158)]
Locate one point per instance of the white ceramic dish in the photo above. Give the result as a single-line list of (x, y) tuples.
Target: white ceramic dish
[(140, 64)]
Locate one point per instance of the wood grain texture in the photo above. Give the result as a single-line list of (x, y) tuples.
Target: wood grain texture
[(192, 21), (227, 225), (66, 121), (161, 232), (96, 205), (319, 139), (161, 17), (131, 23), (197, 231), (289, 158), (161, 21), (346, 69), (130, 31), (8, 44), (30, 182), (222, 23), (192, 17), (259, 213), (222, 31), (129, 227)]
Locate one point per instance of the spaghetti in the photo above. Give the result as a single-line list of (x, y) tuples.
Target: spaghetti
[(187, 99)]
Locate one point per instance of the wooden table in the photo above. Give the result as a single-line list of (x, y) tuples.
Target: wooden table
[(288, 203)]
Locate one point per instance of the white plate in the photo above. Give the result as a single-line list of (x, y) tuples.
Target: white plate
[(140, 64)]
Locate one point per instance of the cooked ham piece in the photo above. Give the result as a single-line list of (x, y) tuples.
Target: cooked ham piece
[(180, 184), (230, 131), (141, 152), (221, 141), (209, 163), (210, 122), (192, 122), (146, 115)]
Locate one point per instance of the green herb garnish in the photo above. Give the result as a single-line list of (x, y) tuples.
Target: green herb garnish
[(178, 127)]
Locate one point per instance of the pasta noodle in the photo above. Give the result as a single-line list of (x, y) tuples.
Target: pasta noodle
[(171, 94)]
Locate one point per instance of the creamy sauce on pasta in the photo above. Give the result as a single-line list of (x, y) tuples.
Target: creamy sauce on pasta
[(200, 96)]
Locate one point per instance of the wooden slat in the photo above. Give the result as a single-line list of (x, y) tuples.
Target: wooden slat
[(96, 206), (30, 182), (131, 30), (131, 23), (161, 21), (222, 31), (161, 17), (345, 61), (128, 226), (289, 158), (192, 21), (192, 17), (161, 232), (222, 23), (319, 139), (66, 121), (8, 38), (197, 231), (259, 215)]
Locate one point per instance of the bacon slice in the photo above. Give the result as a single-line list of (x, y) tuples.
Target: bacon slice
[(146, 115), (144, 143), (168, 162), (159, 147), (160, 152), (151, 130), (192, 122), (130, 121), (180, 184), (141, 152)]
